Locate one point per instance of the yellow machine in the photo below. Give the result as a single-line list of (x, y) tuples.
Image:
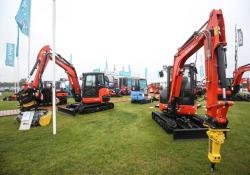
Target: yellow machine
[(216, 137), (45, 119)]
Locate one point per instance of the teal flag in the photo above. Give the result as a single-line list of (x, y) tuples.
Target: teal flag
[(70, 59), (106, 66), (23, 21), (23, 17), (202, 71), (124, 74), (129, 68), (201, 68), (146, 73), (10, 55), (97, 70)]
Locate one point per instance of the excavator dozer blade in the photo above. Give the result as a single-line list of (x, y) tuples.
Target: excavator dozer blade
[(182, 127), (65, 110), (194, 133)]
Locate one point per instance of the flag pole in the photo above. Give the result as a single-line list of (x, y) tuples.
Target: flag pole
[(236, 49), (29, 41), (53, 57), (17, 60), (18, 85)]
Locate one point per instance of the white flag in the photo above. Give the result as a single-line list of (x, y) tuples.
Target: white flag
[(240, 37)]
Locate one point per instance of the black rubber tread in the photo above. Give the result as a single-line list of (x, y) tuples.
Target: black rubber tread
[(80, 108), (63, 100), (182, 126), (165, 122), (86, 109)]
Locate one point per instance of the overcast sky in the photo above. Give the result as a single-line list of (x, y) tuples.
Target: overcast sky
[(141, 33)]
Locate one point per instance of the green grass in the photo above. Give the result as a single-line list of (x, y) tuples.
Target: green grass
[(4, 94), (124, 140), (7, 105)]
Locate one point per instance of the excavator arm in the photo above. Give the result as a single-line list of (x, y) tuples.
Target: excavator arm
[(212, 37), (43, 58), (238, 73)]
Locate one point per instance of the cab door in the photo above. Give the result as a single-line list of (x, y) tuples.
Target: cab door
[(89, 86)]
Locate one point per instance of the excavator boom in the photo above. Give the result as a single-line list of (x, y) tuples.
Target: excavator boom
[(30, 99), (238, 73), (44, 56)]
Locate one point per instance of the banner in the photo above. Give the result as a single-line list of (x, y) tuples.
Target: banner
[(23, 17), (106, 66), (146, 73), (10, 55), (97, 70), (70, 59), (23, 21), (124, 74), (129, 69), (202, 74), (240, 37)]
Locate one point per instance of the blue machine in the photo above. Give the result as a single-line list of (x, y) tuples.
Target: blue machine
[(139, 91)]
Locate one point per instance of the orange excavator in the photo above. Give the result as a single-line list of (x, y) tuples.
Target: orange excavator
[(93, 96), (175, 116), (235, 84), (34, 94)]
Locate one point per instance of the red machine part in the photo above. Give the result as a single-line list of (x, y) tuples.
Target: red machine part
[(248, 84), (182, 109), (154, 88), (238, 73), (102, 92), (212, 38), (43, 58)]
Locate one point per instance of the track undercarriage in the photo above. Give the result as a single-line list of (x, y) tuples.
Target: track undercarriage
[(241, 97), (182, 126), (82, 108)]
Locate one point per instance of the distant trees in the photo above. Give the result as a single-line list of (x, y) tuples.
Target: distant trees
[(12, 84)]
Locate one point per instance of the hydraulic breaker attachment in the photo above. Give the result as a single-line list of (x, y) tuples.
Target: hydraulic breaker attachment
[(216, 137)]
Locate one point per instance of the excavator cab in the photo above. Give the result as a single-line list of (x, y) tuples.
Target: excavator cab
[(92, 83), (184, 124), (187, 94)]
